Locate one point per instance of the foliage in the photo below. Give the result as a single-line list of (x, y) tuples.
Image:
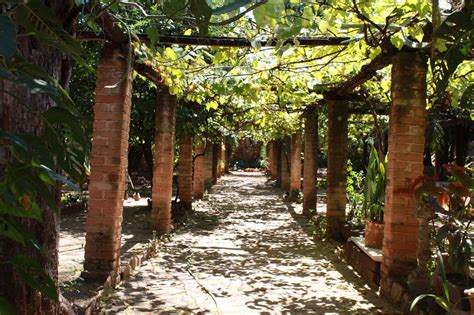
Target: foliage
[(355, 186), (374, 188), (31, 173), (455, 213), (452, 47), (258, 91), (443, 301)]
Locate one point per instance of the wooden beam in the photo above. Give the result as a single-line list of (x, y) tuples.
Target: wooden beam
[(150, 73), (227, 41), (366, 72)]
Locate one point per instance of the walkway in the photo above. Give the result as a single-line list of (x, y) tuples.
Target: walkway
[(245, 253)]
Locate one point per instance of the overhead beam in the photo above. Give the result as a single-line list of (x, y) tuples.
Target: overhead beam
[(366, 72), (228, 41)]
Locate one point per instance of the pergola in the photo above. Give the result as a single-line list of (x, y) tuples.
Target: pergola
[(110, 144)]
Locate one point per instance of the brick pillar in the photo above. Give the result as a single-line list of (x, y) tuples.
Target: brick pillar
[(268, 153), (228, 154), (337, 167), (279, 164), (295, 170), (275, 159), (215, 162), (285, 165), (222, 158), (208, 165), (162, 188), (311, 144), (199, 170), (185, 180), (108, 166), (271, 159), (405, 164)]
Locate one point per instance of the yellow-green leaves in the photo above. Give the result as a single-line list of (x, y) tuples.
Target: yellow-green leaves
[(169, 54), (212, 105), (323, 26)]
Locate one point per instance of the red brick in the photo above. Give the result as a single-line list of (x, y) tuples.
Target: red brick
[(108, 163), (405, 163), (295, 169), (163, 156)]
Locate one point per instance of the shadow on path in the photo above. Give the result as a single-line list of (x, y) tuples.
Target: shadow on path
[(253, 257)]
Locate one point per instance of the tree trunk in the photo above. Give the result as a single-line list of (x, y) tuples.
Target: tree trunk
[(23, 117)]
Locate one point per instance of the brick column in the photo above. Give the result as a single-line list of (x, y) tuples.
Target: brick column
[(285, 165), (279, 164), (185, 168), (295, 170), (228, 154), (199, 169), (337, 167), (405, 164), (271, 159), (108, 166), (275, 159), (311, 144), (208, 158), (268, 154), (162, 188), (222, 159), (215, 162)]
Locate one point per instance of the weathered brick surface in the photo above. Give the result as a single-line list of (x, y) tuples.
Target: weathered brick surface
[(215, 162), (108, 166), (311, 144), (222, 159), (337, 167), (185, 172), (272, 159), (199, 169), (208, 165), (228, 155), (405, 164), (162, 188), (363, 264), (295, 170), (285, 165), (279, 164)]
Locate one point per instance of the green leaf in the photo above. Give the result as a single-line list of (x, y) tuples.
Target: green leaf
[(6, 308), (437, 299), (467, 98), (7, 36), (234, 5), (8, 229), (269, 13), (202, 12), (32, 273), (175, 9), (153, 34), (170, 54), (40, 21), (8, 205)]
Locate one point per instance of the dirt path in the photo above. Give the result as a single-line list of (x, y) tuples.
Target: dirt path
[(245, 253)]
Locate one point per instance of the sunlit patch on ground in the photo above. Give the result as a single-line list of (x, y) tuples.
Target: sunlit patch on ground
[(245, 254)]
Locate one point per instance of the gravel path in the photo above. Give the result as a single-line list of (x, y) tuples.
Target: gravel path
[(245, 252)]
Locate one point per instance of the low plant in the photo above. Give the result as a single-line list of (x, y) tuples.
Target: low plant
[(355, 196), (444, 300), (453, 215), (374, 188)]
